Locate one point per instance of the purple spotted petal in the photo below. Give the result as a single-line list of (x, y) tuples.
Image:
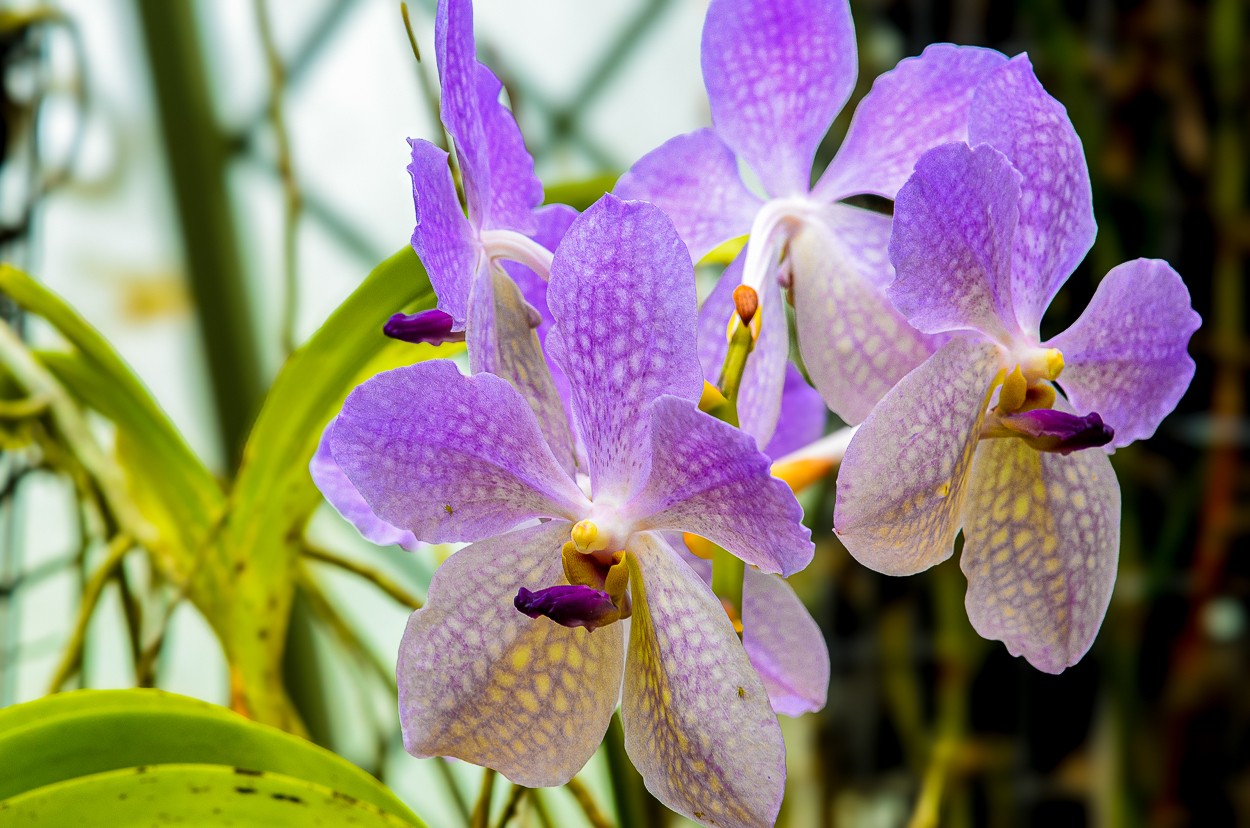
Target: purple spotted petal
[(777, 72), (1014, 114), (482, 682), (954, 221), (497, 170), (342, 495), (449, 457), (697, 720), (803, 416), (759, 396), (917, 105), (569, 605), (1125, 356), (855, 344), (708, 478), (443, 238), (785, 645), (622, 294), (1041, 539), (902, 482), (1046, 429), (429, 326), (694, 179)]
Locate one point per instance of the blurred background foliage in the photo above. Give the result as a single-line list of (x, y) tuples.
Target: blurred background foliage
[(205, 184)]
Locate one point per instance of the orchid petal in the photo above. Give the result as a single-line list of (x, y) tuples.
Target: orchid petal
[(694, 179), (1125, 356), (803, 416), (443, 238), (622, 294), (1013, 113), (709, 479), (449, 457), (903, 480), (954, 221), (777, 72), (1041, 539), (697, 720), (347, 501), (482, 682), (855, 344), (920, 103), (785, 645)]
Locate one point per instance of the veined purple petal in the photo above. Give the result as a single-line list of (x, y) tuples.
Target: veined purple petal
[(777, 72), (449, 457), (429, 326), (785, 644), (342, 495), (481, 682), (1125, 356), (1046, 429), (697, 720), (1041, 540), (709, 479), (954, 222), (1012, 112), (694, 179), (855, 344), (443, 239), (917, 105), (803, 416), (622, 294), (902, 483), (569, 605)]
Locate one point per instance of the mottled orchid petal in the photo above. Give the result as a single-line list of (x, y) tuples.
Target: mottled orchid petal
[(785, 644), (920, 103), (502, 340), (449, 457), (349, 503), (777, 72), (855, 344), (569, 605), (622, 294), (1041, 540), (903, 479), (497, 171), (443, 238), (1046, 429), (803, 416), (694, 179), (482, 682), (1125, 356), (954, 222), (709, 479), (1012, 112), (431, 327), (697, 720)]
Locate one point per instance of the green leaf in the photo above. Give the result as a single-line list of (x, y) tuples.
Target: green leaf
[(89, 732)]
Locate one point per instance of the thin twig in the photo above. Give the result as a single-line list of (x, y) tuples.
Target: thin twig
[(515, 795), (587, 802), (481, 809), (72, 658), (374, 576)]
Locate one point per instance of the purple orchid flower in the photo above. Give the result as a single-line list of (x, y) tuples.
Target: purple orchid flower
[(456, 458), (984, 236), (777, 73)]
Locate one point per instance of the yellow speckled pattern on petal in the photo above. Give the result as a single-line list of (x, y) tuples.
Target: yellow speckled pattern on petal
[(482, 682), (697, 720), (1042, 537)]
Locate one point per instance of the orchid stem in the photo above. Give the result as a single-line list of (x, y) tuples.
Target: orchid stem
[(481, 809), (587, 802), (515, 795), (72, 658), (374, 576)]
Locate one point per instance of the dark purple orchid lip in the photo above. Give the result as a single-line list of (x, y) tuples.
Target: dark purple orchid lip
[(430, 326), (570, 605), (1049, 430)]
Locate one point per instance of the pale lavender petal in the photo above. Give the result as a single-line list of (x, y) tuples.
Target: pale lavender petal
[(917, 105), (903, 480), (1041, 539), (855, 343), (759, 395), (480, 681), (803, 416), (1013, 113), (497, 170), (954, 221), (443, 239), (347, 501), (697, 720), (777, 72), (1125, 356), (622, 294), (1046, 429), (694, 179), (449, 457), (709, 479), (431, 327), (785, 644)]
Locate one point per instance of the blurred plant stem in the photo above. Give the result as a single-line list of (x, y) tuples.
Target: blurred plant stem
[(71, 659), (589, 807), (515, 794), (481, 808), (374, 576)]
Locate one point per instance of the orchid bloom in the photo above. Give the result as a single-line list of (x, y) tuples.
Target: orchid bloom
[(777, 73), (517, 660), (984, 236)]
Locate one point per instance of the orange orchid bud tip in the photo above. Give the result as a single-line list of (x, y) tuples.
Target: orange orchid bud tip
[(746, 302)]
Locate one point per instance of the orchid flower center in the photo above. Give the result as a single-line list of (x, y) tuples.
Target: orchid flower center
[(509, 245), (598, 579), (774, 224), (1025, 408)]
